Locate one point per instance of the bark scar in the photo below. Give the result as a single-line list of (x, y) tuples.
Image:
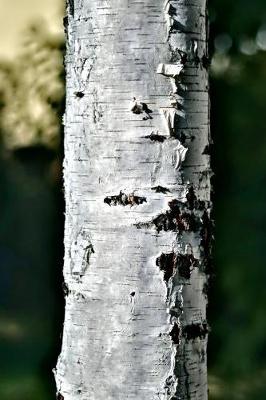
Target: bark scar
[(124, 199), (140, 108), (156, 137)]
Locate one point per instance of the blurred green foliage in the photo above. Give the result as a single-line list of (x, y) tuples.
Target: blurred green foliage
[(32, 90), (31, 208)]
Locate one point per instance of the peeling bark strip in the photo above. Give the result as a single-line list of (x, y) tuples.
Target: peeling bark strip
[(136, 268)]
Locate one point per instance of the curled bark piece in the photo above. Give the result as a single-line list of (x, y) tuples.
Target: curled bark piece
[(170, 70), (180, 155), (170, 117)]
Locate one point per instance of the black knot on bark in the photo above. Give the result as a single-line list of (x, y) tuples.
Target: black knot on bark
[(79, 94)]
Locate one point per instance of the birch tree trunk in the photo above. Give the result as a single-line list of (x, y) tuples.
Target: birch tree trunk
[(137, 190)]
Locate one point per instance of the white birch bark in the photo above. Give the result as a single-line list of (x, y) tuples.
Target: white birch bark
[(137, 190)]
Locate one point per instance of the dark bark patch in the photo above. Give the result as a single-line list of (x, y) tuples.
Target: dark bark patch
[(65, 288), (206, 233), (182, 138), (208, 263), (146, 110), (79, 94), (175, 219), (89, 251), (65, 23), (185, 264), (178, 55), (181, 217), (192, 202), (123, 199), (132, 294), (167, 264), (141, 108), (160, 189), (175, 334), (206, 150), (169, 384), (59, 396), (194, 331), (177, 27), (191, 198), (206, 244), (171, 10), (183, 56), (177, 311), (71, 7), (155, 137)]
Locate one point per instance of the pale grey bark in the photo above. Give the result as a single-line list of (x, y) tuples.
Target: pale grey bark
[(137, 190)]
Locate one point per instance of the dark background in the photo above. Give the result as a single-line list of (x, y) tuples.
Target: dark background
[(32, 206)]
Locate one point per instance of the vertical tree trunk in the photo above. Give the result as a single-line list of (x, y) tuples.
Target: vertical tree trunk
[(137, 189)]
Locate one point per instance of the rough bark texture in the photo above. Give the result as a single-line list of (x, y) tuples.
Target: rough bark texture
[(137, 189)]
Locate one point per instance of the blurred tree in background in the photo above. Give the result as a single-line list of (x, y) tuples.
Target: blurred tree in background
[(237, 347), (31, 208), (31, 214)]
